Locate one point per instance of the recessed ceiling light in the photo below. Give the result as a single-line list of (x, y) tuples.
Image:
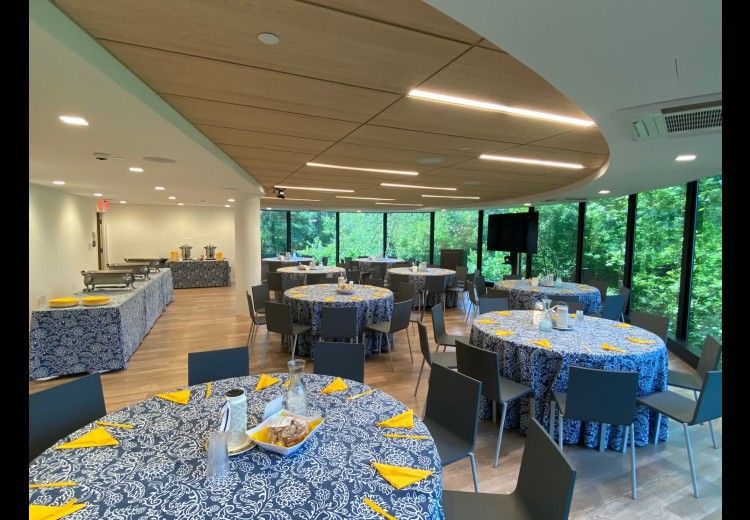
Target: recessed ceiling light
[(159, 188), (230, 200), (172, 197), (430, 160), (227, 206), (396, 204), (442, 210), (523, 160), (180, 203), (603, 192), (290, 198), (359, 211), (135, 169), (268, 38), (465, 148), (449, 197), (527, 203), (98, 195), (390, 185), (123, 202), (268, 208), (336, 190), (685, 158), (496, 107), (74, 120), (59, 183), (360, 198), (358, 169)]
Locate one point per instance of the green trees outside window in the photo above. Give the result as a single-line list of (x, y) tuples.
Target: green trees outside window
[(604, 241), (314, 234), (493, 262), (457, 230), (272, 233), (360, 234), (409, 236), (556, 250)]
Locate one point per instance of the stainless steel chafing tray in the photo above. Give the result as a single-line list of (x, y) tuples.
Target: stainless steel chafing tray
[(92, 279), (153, 263), (139, 270)]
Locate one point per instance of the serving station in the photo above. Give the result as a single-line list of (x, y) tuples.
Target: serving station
[(210, 270)]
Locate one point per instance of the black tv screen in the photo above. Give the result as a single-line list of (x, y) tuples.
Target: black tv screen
[(513, 232)]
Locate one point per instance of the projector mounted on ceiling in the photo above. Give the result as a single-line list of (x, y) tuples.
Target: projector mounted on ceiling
[(677, 118)]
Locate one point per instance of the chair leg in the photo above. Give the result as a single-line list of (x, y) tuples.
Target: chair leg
[(633, 485), (560, 431), (713, 435), (500, 433), (552, 419), (474, 472), (421, 369), (294, 346), (690, 459), (263, 359), (656, 432), (409, 340), (625, 439), (390, 357), (249, 334)]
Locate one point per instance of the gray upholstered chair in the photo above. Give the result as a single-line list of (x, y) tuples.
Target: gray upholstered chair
[(260, 295), (279, 320), (446, 359), (434, 285), (689, 412), (438, 329), (544, 490), (484, 365), (345, 360), (584, 402), (614, 307), (602, 286), (512, 277), (399, 321), (488, 304), (655, 323), (316, 278), (473, 300), (480, 284), (213, 365), (287, 283), (274, 284), (256, 319), (338, 323)]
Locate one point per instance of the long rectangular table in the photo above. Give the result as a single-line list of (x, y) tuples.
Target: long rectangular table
[(189, 274), (81, 339)]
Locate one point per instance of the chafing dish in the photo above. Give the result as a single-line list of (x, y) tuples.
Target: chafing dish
[(185, 250), (210, 251), (139, 270), (92, 279), (153, 263)]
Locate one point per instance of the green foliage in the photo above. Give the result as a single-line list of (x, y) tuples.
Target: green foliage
[(360, 234), (272, 233), (314, 234), (556, 250), (457, 230), (604, 240), (409, 236)]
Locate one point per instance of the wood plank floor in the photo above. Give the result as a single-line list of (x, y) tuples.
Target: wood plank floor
[(204, 319)]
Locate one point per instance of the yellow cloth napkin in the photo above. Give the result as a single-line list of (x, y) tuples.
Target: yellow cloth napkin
[(328, 299), (639, 341), (503, 332), (607, 346), (337, 385), (287, 383), (95, 438), (542, 343), (372, 505), (179, 397), (486, 321), (265, 381), (356, 298), (64, 483), (209, 390), (502, 313), (572, 314), (37, 512), (402, 420), (566, 291), (622, 325), (115, 425), (535, 289), (405, 436), (357, 396), (400, 476)]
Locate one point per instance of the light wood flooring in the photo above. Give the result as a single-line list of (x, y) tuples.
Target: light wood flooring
[(204, 319)]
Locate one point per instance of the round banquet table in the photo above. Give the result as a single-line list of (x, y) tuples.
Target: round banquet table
[(546, 370), (295, 273), (367, 263), (290, 260), (523, 295), (418, 279), (374, 304), (158, 469)]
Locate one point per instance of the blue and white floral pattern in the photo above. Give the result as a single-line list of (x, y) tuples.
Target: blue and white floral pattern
[(158, 469), (418, 279), (376, 305), (524, 296), (81, 339), (291, 260), (295, 273), (197, 273), (546, 370), (367, 263)]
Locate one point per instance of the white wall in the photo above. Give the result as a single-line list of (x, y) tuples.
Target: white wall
[(60, 227), (153, 231)]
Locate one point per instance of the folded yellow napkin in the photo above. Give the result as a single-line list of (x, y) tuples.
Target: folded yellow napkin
[(566, 291), (639, 341), (402, 420), (95, 438), (357, 396), (622, 325), (115, 425), (502, 313), (572, 314), (535, 289), (328, 299), (542, 343), (287, 383), (607, 346), (64, 483), (337, 385), (265, 381), (179, 397), (372, 505), (400, 476), (503, 332), (37, 512), (405, 436), (486, 321), (356, 298), (209, 390)]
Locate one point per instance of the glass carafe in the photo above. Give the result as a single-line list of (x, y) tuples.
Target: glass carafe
[(296, 395), (545, 323)]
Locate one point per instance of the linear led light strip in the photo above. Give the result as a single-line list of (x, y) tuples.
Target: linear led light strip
[(392, 185), (360, 198), (449, 197), (522, 160), (397, 204), (373, 170), (335, 190), (289, 198), (496, 107)]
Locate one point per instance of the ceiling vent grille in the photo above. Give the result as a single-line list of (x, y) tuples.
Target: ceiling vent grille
[(693, 120), (675, 119)]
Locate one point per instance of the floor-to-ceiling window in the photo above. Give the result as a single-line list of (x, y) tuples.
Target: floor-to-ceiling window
[(409, 236), (705, 301), (314, 234), (556, 251), (360, 234), (493, 262), (272, 233), (604, 241), (457, 230), (658, 252)]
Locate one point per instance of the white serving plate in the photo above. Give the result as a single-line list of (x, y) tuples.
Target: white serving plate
[(283, 450)]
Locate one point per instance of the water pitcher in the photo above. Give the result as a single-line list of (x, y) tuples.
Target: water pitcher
[(296, 395)]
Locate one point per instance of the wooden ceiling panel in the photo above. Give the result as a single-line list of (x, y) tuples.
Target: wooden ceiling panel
[(292, 159), (214, 113), (489, 45), (361, 156), (232, 136), (314, 41), (588, 140)]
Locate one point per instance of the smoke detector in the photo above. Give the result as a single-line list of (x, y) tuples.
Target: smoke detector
[(101, 156)]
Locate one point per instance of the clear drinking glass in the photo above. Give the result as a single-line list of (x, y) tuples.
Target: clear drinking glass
[(217, 461), (296, 395), (579, 318)]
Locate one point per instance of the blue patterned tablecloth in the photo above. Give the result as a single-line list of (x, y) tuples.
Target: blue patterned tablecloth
[(418, 280), (196, 273), (295, 272), (546, 370), (81, 339), (376, 305), (523, 295), (366, 263), (158, 469), (291, 260)]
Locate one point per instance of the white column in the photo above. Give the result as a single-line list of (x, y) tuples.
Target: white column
[(246, 248)]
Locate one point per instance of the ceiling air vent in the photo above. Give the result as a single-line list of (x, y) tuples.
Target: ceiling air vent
[(675, 119), (693, 118)]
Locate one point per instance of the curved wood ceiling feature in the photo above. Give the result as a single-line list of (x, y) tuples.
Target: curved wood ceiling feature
[(334, 91)]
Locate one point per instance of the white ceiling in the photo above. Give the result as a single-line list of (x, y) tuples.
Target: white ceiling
[(610, 56), (69, 73)]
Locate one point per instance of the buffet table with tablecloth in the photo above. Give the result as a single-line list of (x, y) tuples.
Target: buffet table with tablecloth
[(417, 279), (94, 339), (190, 274), (158, 469), (523, 295), (546, 369)]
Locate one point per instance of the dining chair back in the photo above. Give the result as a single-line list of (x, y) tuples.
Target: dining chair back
[(438, 320), (709, 402), (288, 283), (710, 356), (324, 261), (213, 365), (264, 271), (260, 295), (338, 323), (482, 365), (401, 315), (614, 307), (604, 396), (345, 360), (279, 318), (424, 344), (487, 304), (461, 273), (655, 323), (602, 286), (435, 284), (317, 278), (481, 285), (378, 271), (511, 277), (497, 293), (405, 291)]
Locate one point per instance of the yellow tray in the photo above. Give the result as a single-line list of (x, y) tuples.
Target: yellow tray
[(91, 301), (63, 302)]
